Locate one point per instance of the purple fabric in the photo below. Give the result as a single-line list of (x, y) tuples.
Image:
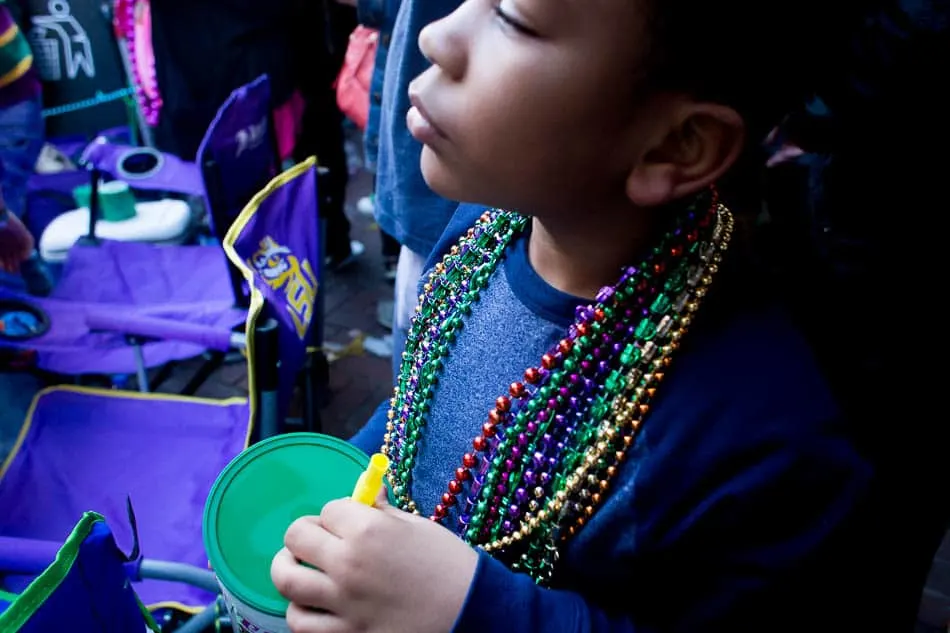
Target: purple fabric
[(90, 451), (183, 283), (174, 175), (239, 141), (26, 556), (73, 145), (152, 327), (144, 274), (280, 243)]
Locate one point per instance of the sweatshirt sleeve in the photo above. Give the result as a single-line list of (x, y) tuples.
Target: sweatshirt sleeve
[(725, 566), (500, 600), (370, 438)]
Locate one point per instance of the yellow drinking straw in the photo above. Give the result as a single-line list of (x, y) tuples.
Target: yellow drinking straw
[(371, 481)]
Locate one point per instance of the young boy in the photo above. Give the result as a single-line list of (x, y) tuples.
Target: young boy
[(611, 424)]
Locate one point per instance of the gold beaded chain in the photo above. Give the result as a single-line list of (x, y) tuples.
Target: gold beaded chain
[(627, 413)]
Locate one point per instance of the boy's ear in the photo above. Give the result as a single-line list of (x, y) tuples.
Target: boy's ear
[(701, 142)]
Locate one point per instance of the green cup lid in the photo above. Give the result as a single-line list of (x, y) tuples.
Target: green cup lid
[(256, 498)]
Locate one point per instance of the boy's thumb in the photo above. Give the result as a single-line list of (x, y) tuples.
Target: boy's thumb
[(382, 503)]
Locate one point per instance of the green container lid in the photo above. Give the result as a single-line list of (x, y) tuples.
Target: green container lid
[(256, 498)]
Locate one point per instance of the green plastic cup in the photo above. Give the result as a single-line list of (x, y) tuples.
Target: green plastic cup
[(116, 200), (251, 505)]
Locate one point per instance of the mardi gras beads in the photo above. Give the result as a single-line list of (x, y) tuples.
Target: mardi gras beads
[(550, 446)]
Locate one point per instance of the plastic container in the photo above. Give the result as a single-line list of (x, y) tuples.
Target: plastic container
[(251, 505), (116, 200)]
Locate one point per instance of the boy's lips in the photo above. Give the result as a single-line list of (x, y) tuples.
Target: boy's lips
[(420, 123)]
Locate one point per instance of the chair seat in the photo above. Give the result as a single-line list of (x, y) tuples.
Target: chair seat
[(160, 222), (85, 449), (186, 283)]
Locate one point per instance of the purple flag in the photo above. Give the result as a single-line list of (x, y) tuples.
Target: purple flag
[(275, 243)]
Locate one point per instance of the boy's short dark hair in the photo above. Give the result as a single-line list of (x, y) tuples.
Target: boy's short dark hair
[(761, 57)]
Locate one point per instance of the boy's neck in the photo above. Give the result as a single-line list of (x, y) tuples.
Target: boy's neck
[(579, 256)]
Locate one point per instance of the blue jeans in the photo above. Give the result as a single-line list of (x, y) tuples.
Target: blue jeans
[(409, 272), (21, 141)]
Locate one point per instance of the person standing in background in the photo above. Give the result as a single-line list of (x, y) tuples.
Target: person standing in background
[(21, 141), (406, 208), (382, 17), (328, 25), (198, 67), (205, 49), (17, 388)]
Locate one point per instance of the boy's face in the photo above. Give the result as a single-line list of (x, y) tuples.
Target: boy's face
[(530, 104)]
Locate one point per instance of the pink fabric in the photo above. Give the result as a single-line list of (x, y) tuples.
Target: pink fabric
[(288, 118)]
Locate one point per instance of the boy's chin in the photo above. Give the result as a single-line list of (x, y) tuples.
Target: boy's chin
[(450, 184), (439, 177)]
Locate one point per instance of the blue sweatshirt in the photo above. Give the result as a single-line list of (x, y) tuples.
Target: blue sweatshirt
[(725, 511)]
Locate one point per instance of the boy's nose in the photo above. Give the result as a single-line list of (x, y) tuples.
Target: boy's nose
[(427, 42), (443, 44)]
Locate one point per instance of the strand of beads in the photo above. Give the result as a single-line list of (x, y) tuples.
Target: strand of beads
[(634, 400), (438, 320), (560, 436), (551, 420), (558, 439), (584, 488), (453, 285)]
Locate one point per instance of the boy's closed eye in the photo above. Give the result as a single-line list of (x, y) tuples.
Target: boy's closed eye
[(510, 20)]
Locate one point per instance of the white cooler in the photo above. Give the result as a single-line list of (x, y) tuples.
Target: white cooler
[(159, 222)]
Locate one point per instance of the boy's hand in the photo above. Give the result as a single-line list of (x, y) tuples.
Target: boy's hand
[(16, 244), (380, 570)]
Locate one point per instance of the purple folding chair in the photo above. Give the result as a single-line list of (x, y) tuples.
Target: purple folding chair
[(82, 448), (240, 135), (85, 450), (163, 304), (236, 158), (193, 289), (124, 307)]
